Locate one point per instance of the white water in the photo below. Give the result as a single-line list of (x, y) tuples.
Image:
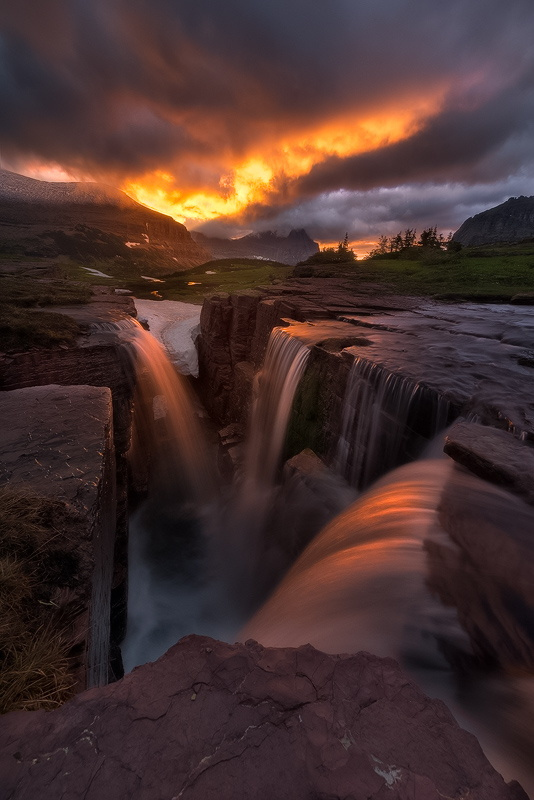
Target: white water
[(170, 532), (361, 584), (249, 566), (376, 410), (367, 582), (165, 414)]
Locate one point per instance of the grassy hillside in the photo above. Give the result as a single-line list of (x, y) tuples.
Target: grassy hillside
[(223, 275), (191, 286), (496, 272), (23, 326)]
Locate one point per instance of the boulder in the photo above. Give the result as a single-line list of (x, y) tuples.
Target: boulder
[(494, 455), (210, 720), (310, 496)]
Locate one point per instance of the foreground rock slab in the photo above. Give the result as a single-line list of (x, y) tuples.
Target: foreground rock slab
[(211, 720)]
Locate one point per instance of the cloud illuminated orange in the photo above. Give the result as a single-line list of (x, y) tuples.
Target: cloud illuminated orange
[(262, 176)]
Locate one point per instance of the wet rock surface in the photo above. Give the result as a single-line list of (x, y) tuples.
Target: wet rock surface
[(477, 356), (310, 496), (57, 442), (493, 455), (484, 568), (212, 720)]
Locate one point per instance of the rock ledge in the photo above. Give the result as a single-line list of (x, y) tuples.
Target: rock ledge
[(211, 720)]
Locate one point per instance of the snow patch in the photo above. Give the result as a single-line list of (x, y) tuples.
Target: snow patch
[(96, 272), (175, 325)]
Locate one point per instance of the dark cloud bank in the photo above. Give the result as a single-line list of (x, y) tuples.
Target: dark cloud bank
[(119, 87)]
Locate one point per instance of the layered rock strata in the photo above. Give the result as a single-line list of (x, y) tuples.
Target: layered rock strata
[(212, 720), (97, 360), (468, 359)]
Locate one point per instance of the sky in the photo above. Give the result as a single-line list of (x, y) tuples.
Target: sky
[(358, 116)]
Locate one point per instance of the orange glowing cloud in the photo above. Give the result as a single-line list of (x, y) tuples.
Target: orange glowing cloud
[(264, 175)]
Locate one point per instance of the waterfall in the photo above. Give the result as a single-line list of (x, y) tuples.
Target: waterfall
[(361, 583), (372, 580), (376, 415), (166, 427), (284, 365), (378, 577), (193, 567), (251, 565), (170, 533)]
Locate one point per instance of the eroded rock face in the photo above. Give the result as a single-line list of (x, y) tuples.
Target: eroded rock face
[(58, 442), (217, 721)]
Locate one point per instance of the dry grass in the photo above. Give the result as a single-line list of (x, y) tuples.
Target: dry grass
[(35, 669)]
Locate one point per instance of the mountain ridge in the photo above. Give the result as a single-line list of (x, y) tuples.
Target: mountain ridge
[(511, 221), (290, 249), (84, 219)]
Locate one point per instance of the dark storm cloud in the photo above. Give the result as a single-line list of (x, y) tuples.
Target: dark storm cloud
[(368, 214), (459, 144), (124, 86)]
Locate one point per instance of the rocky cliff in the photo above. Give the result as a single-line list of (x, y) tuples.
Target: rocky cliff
[(92, 220), (95, 361), (57, 442), (215, 722), (415, 344), (290, 249), (512, 221)]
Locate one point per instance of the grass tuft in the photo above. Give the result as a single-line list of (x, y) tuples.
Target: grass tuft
[(35, 668), (21, 329)]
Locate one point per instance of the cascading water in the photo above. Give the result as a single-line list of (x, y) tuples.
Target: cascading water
[(251, 567), (170, 532), (165, 411), (360, 585), (376, 412), (371, 579), (194, 568), (284, 365)]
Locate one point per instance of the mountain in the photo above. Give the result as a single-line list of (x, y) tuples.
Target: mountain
[(290, 249), (512, 221), (91, 220)]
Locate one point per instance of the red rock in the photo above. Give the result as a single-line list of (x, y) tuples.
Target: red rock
[(212, 721)]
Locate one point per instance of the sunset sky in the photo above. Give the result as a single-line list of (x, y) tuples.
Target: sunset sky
[(365, 116)]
